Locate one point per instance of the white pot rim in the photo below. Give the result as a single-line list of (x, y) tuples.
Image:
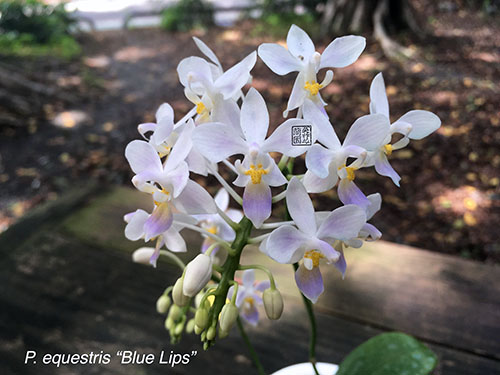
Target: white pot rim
[(306, 369)]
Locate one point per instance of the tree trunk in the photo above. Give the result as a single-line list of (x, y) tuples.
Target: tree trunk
[(381, 17)]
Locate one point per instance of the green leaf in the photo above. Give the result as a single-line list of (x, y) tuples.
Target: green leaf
[(389, 354)]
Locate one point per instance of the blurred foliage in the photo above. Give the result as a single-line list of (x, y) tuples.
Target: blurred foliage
[(32, 28), (278, 15), (187, 15)]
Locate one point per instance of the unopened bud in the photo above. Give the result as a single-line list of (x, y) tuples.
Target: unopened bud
[(201, 318), (198, 330), (223, 334), (228, 317), (143, 255), (179, 297), (190, 326), (198, 273), (162, 304), (211, 333), (175, 313), (179, 328), (273, 303), (169, 323)]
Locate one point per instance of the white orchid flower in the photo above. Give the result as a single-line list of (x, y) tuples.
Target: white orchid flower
[(215, 224), (168, 183), (258, 171), (137, 228), (311, 241), (164, 135), (212, 91), (326, 165), (415, 124), (249, 296), (301, 56)]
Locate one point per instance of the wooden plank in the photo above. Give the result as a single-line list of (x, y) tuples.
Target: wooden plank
[(61, 296)]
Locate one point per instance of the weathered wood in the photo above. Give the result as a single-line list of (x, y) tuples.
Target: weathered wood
[(75, 290), (61, 296)]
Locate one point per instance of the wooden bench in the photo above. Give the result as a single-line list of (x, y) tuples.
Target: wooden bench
[(68, 285)]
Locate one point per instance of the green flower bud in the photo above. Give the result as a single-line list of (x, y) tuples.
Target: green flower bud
[(180, 299), (198, 330), (273, 303), (162, 304), (211, 333), (223, 334), (175, 313), (228, 316), (201, 318), (197, 275), (179, 328), (169, 323), (190, 326), (203, 335)]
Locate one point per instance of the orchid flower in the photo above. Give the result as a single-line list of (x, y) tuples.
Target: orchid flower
[(301, 56), (249, 296), (311, 242), (137, 228), (326, 165), (212, 91), (168, 183), (415, 124), (164, 135), (258, 171), (215, 224)]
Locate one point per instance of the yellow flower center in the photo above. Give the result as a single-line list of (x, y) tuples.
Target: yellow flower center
[(313, 87), (200, 108), (349, 171), (256, 173), (212, 229), (315, 256), (165, 151), (388, 149), (250, 301)]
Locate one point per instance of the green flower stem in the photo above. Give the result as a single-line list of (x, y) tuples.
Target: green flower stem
[(312, 320), (261, 268), (253, 353)]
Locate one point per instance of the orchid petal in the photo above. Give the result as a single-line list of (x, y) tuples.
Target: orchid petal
[(310, 282), (300, 207), (349, 193), (342, 51), (384, 168), (135, 226), (194, 199), (221, 199), (281, 139), (423, 123), (226, 112), (236, 77), (177, 178), (375, 204), (275, 176), (315, 184), (254, 117), (278, 58), (299, 44), (248, 278), (343, 223), (206, 51), (218, 141), (160, 220), (191, 65), (327, 135), (142, 157), (297, 96), (285, 244), (368, 132), (257, 203), (181, 148), (318, 160), (370, 232), (174, 241), (378, 96)]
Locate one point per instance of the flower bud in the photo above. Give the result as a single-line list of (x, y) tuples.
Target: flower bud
[(180, 299), (223, 334), (211, 333), (179, 328), (175, 313), (162, 304), (228, 317), (198, 273), (143, 255), (190, 326), (169, 323), (201, 318), (273, 303), (198, 330)]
